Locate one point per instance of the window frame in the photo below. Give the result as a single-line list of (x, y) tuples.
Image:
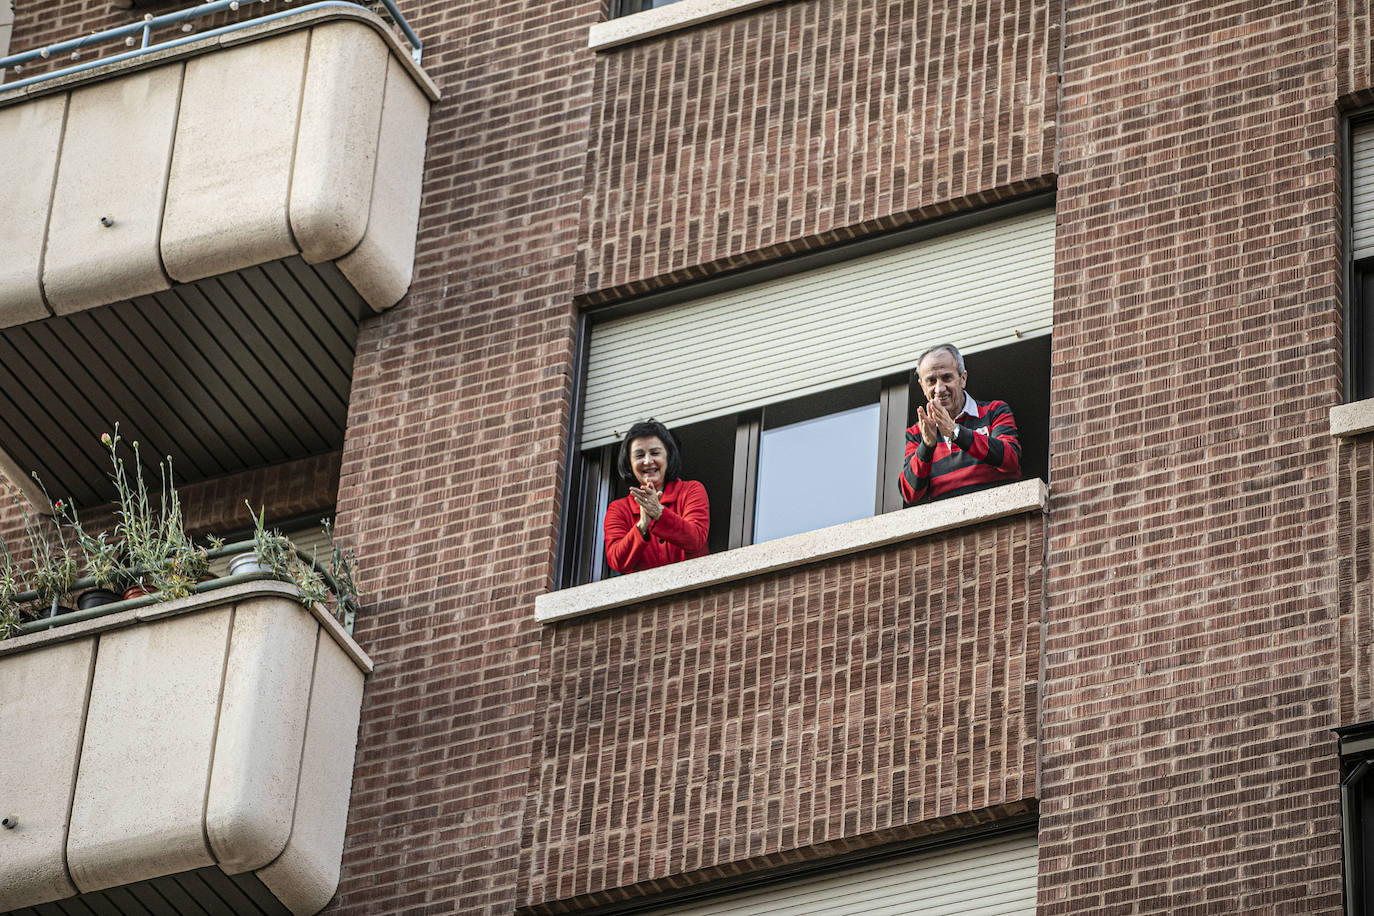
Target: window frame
[(1355, 746), (580, 557)]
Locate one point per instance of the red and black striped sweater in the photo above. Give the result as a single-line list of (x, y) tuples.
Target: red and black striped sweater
[(986, 453)]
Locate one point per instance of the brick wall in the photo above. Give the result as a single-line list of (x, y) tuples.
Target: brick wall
[(1191, 652), (804, 123), (452, 463), (837, 705)]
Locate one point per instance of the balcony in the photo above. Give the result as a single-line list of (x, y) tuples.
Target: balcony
[(194, 232), (169, 757)]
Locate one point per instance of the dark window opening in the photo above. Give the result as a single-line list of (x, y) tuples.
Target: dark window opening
[(1356, 744), (626, 7), (809, 462), (1360, 329)]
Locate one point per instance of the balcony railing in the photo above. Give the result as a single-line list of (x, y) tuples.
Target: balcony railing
[(141, 34)]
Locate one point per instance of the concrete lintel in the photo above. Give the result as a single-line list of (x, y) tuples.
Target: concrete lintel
[(680, 15), (1352, 419), (808, 547)]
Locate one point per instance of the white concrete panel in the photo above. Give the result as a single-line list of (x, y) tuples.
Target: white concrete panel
[(231, 167), (115, 154), (336, 148), (380, 267), (261, 730), (306, 874), (42, 704), (30, 136), (145, 762), (662, 19)]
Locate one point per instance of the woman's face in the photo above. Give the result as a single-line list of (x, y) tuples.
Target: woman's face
[(649, 461)]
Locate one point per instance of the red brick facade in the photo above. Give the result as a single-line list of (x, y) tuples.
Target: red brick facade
[(1154, 664), (845, 703)]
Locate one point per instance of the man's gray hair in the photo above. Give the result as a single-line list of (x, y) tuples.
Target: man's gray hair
[(949, 348)]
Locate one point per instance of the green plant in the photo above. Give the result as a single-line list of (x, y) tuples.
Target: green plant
[(277, 554), (149, 546)]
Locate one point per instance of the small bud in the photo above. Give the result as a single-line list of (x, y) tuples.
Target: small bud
[(105, 438)]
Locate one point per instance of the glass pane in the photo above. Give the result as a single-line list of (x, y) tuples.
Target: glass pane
[(816, 473)]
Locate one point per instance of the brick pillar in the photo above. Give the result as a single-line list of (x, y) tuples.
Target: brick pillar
[(1190, 673), (452, 463)]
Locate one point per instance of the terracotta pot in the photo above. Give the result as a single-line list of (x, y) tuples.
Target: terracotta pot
[(134, 591)]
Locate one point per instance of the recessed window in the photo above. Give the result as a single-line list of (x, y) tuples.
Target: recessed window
[(1359, 328), (790, 396), (626, 7)]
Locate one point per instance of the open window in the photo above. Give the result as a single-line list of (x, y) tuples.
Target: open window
[(1360, 312), (790, 395)]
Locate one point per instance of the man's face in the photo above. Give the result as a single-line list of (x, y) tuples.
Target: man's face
[(942, 381)]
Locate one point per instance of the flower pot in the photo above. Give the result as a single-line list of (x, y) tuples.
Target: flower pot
[(134, 591), (246, 563), (95, 597)]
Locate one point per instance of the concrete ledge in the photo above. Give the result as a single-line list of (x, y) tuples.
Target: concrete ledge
[(1352, 419), (680, 15), (808, 547)]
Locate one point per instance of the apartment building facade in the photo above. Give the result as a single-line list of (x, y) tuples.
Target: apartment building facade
[(459, 266)]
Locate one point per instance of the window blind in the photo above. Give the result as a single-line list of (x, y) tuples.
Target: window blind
[(1362, 188), (990, 877), (810, 332)]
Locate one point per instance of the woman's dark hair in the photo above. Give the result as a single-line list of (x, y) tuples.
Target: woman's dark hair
[(645, 429)]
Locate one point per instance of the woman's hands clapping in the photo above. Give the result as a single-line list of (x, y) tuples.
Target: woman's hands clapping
[(649, 506)]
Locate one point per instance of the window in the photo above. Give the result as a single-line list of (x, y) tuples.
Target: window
[(790, 395), (626, 7), (988, 874), (1356, 746), (1360, 314)]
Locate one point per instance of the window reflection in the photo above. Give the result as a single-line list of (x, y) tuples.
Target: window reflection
[(816, 473)]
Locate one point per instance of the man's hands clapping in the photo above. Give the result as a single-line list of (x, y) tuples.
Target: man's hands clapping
[(934, 421)]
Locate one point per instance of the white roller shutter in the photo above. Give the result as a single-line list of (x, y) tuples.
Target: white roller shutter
[(1362, 187), (984, 877), (810, 332)]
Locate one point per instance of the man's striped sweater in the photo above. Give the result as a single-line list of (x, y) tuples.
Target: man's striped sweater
[(985, 452)]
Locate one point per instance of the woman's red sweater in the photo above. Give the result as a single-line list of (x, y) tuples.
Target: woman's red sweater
[(678, 534)]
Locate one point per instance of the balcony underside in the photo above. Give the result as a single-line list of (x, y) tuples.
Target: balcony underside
[(239, 371), (191, 239), (202, 890)]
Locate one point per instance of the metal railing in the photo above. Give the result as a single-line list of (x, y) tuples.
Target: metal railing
[(347, 608), (141, 33)]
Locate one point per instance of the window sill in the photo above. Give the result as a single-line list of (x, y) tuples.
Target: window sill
[(808, 547), (681, 15), (1352, 419)]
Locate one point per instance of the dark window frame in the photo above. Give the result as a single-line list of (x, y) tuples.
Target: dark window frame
[(1355, 745), (580, 557)]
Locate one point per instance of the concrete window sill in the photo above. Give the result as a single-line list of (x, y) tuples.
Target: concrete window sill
[(681, 15), (808, 547), (1352, 419)]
